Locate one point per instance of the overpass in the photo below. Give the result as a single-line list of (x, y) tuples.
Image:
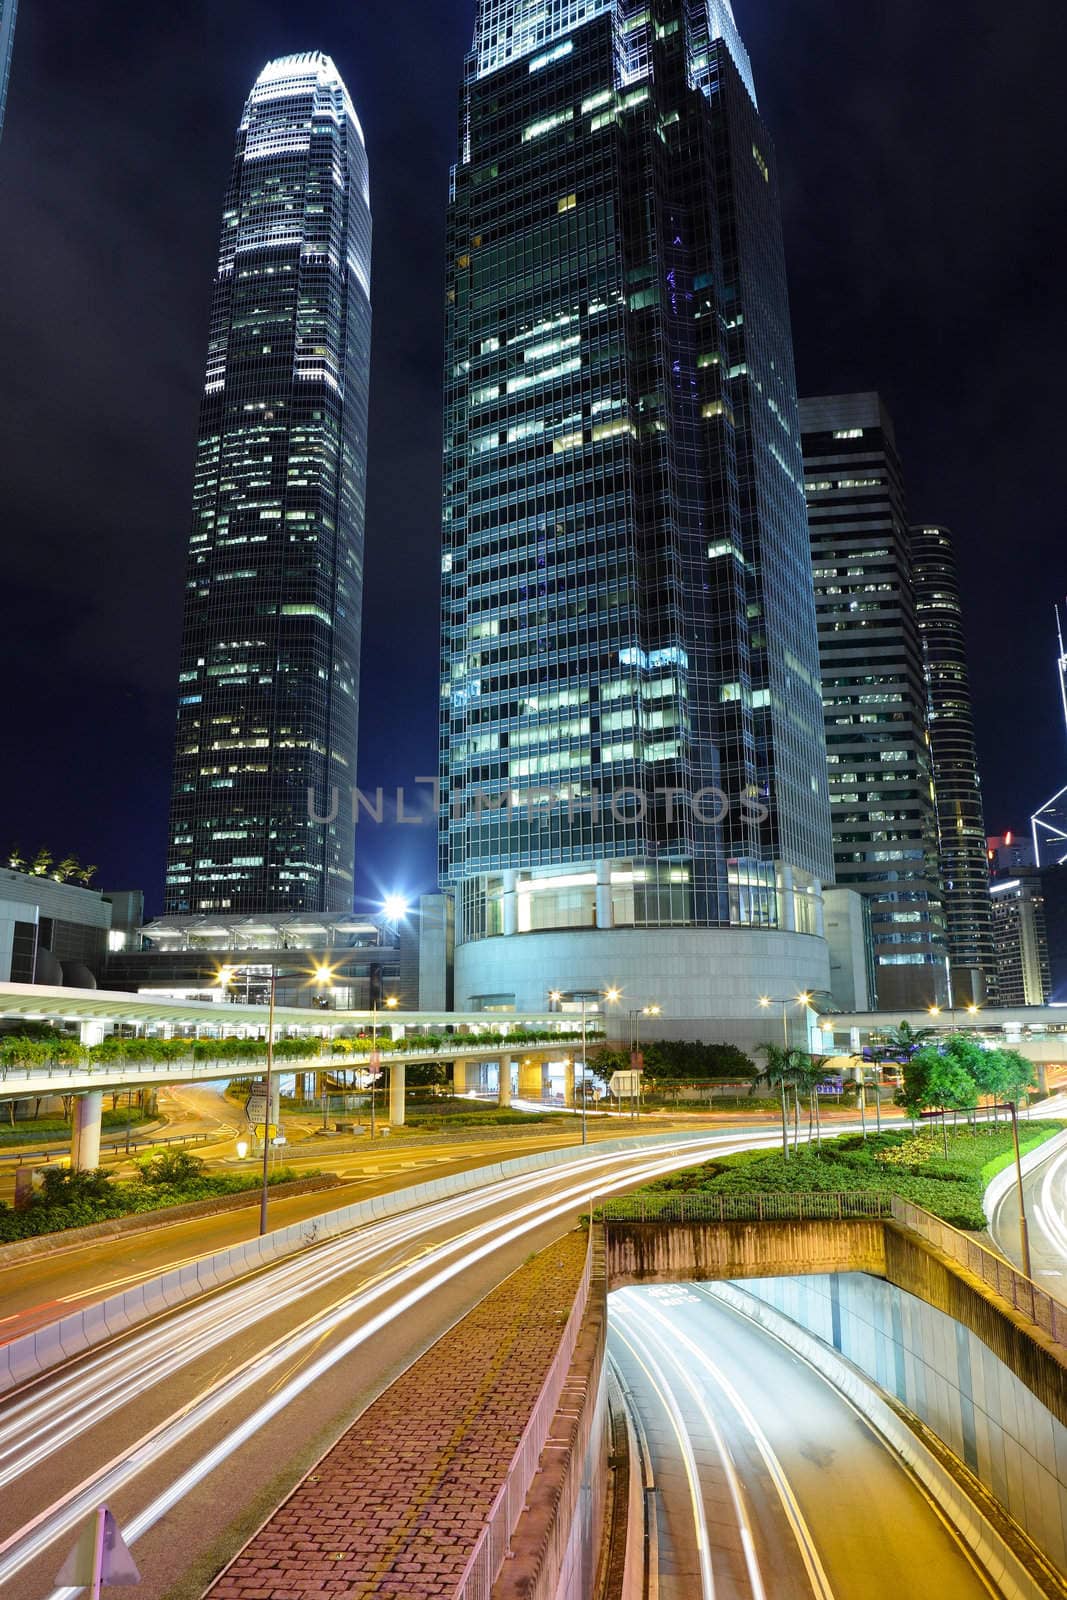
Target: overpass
[(1037, 1032), (409, 1038)]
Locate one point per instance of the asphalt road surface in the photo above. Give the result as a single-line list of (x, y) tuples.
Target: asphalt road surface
[(1045, 1189), (768, 1485), (194, 1427)]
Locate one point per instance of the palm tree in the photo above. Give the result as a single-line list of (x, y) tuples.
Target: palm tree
[(781, 1073), (810, 1073)]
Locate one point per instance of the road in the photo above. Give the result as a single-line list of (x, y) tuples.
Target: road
[(37, 1289), (768, 1485), (1045, 1189), (194, 1427)]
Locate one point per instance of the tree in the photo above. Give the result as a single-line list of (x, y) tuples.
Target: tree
[(810, 1072), (940, 1078), (904, 1041), (781, 1073), (171, 1169)]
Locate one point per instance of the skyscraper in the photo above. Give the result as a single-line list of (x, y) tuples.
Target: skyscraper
[(628, 622), (269, 679), (960, 821), (874, 692), (1049, 824), (7, 45)]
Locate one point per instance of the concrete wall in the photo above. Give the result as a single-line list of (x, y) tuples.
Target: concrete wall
[(947, 1376), (673, 1252), (700, 976)]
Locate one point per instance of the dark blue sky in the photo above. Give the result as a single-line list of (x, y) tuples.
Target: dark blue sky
[(922, 156)]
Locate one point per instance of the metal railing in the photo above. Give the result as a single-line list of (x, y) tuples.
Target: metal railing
[(697, 1207), (1012, 1285), (494, 1541), (24, 1155)]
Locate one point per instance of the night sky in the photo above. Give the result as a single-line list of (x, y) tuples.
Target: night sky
[(922, 159)]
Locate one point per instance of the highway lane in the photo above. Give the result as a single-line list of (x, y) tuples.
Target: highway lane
[(193, 1428), (1045, 1189), (769, 1486), (37, 1289)]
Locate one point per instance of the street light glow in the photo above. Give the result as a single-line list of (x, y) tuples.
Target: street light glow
[(395, 907), (613, 995), (764, 1000), (391, 1002), (323, 975)]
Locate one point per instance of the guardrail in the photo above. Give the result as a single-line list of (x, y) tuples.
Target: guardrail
[(121, 1146), (696, 1207), (1012, 1285), (493, 1545)]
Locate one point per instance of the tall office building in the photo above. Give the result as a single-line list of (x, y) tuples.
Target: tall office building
[(628, 621), (269, 679), (7, 45), (874, 692), (960, 821)]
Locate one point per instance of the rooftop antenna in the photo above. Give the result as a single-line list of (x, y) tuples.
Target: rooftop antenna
[(1049, 825)]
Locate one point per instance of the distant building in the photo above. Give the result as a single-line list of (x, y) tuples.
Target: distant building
[(51, 933), (1020, 941), (1008, 854), (7, 45), (874, 692), (960, 821), (1054, 890), (184, 956), (269, 674), (127, 918)]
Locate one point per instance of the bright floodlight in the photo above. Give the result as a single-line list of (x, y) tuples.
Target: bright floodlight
[(323, 975), (764, 1000), (391, 1001), (395, 907), (935, 1011), (613, 995), (555, 995), (804, 999), (225, 976)]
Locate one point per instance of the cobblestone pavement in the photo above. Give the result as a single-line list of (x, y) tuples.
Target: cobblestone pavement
[(395, 1506)]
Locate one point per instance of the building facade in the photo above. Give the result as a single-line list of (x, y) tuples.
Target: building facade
[(7, 46), (958, 791), (1020, 941), (633, 780), (51, 933), (269, 675), (874, 692)]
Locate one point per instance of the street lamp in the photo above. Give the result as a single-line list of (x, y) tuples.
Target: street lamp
[(612, 996), (390, 1002), (636, 1064), (802, 999), (322, 975)]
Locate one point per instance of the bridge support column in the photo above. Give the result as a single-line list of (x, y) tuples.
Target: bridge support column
[(459, 1077), (91, 1033), (503, 1091), (85, 1136), (529, 1080), (568, 1083), (397, 1076)]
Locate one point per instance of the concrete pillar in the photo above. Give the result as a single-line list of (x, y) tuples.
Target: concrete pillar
[(397, 1076), (604, 917), (503, 1092), (568, 1083), (91, 1033), (788, 909), (275, 1099), (529, 1080), (85, 1136), (509, 905), (459, 1077)]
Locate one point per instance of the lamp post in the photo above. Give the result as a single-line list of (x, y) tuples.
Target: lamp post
[(636, 1065), (557, 996), (391, 1002), (766, 1001), (322, 976)]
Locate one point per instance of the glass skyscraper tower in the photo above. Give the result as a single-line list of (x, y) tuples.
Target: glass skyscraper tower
[(269, 679), (7, 45), (631, 724)]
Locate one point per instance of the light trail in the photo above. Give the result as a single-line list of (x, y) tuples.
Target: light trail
[(645, 1317), (661, 1387), (471, 1246), (621, 1310)]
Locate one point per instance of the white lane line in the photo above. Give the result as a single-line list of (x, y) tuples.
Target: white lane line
[(665, 1395), (809, 1554), (733, 1480)]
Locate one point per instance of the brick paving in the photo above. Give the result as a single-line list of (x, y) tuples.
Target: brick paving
[(394, 1508)]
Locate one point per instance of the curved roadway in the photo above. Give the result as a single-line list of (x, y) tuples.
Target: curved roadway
[(768, 1485), (194, 1427), (1045, 1188)]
